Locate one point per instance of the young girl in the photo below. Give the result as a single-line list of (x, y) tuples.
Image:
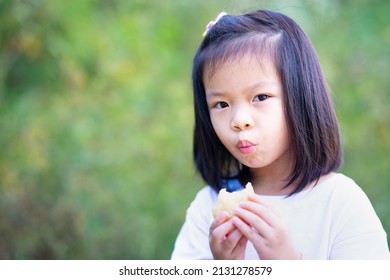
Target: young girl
[(263, 114)]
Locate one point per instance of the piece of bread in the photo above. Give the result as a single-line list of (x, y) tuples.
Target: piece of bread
[(229, 201)]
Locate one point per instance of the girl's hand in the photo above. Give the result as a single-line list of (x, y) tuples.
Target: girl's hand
[(226, 241), (260, 224)]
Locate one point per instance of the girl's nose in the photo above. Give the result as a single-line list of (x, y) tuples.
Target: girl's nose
[(242, 120)]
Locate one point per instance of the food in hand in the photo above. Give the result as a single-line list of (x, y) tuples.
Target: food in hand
[(229, 201)]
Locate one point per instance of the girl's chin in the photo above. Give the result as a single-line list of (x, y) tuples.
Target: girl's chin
[(252, 163)]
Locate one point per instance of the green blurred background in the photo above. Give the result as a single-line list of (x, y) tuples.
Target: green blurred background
[(96, 116)]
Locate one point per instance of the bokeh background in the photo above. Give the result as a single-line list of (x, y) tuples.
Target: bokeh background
[(96, 116)]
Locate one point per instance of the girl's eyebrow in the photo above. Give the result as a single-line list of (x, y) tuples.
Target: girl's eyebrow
[(214, 93), (261, 84)]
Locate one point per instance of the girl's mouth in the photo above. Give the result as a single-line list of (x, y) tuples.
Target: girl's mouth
[(246, 147)]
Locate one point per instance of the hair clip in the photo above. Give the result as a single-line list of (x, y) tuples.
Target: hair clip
[(213, 22)]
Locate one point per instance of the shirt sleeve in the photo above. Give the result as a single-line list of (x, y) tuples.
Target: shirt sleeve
[(358, 232), (193, 239)]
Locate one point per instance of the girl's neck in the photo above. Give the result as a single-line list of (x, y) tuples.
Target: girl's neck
[(272, 179), (277, 187), (268, 186)]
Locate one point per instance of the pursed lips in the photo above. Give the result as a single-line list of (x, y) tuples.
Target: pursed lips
[(246, 147)]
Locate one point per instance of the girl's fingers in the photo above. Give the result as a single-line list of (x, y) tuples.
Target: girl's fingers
[(260, 218), (221, 227), (226, 241), (232, 239), (241, 244), (267, 230), (248, 231), (257, 211), (221, 218), (263, 210), (250, 224), (258, 199)]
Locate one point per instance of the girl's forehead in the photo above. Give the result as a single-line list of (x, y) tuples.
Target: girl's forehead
[(246, 74), (260, 47), (246, 62)]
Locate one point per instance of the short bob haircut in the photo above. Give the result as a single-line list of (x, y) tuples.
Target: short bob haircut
[(314, 137)]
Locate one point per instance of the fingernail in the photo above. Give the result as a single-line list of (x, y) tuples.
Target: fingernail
[(243, 203)]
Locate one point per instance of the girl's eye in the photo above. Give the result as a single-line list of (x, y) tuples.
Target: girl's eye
[(260, 97), (221, 105)]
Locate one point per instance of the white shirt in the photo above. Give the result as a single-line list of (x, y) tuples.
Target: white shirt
[(333, 220)]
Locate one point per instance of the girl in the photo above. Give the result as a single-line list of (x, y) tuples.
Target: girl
[(263, 114)]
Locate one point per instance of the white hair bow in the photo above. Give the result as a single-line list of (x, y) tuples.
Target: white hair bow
[(213, 22)]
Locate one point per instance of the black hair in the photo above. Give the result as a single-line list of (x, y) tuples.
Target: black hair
[(314, 136)]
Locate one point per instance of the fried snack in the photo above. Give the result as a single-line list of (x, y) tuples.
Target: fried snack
[(228, 202)]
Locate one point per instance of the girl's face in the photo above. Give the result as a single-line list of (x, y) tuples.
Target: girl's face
[(245, 101)]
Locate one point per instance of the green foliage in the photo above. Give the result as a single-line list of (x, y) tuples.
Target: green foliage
[(96, 117), (353, 44)]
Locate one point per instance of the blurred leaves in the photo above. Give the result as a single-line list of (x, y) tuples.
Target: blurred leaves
[(354, 46), (96, 117)]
